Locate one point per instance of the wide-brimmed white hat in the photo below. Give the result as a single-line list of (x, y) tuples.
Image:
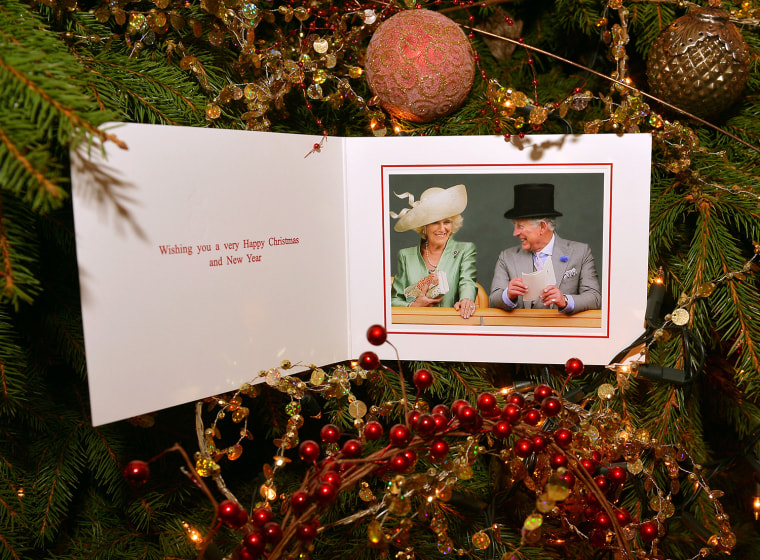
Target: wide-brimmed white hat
[(434, 204)]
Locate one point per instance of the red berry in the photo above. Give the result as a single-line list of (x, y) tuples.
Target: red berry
[(588, 464), (541, 392), (352, 449), (466, 415), (254, 542), (474, 426), (309, 451), (623, 517), (137, 472), (516, 398), (325, 493), (377, 335), (330, 433), (551, 406), (306, 532), (242, 553), (399, 463), (574, 367), (413, 416), (261, 516), (272, 532), (330, 477), (439, 449), (558, 460), (569, 479), (457, 404), (602, 520), (648, 531), (532, 417), (617, 475), (441, 409), (425, 424), (563, 437), (399, 435), (523, 447), (299, 501), (539, 442), (373, 430), (423, 378), (369, 361), (412, 456), (486, 402), (229, 512), (502, 429), (602, 482), (441, 421), (511, 413)]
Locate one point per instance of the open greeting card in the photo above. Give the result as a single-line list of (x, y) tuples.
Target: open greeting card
[(206, 256)]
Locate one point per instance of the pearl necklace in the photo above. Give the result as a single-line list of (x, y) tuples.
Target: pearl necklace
[(427, 258)]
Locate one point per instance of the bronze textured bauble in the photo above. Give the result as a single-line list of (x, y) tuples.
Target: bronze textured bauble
[(699, 63), (420, 65)]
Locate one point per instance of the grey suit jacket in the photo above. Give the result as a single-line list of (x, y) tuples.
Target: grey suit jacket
[(573, 267)]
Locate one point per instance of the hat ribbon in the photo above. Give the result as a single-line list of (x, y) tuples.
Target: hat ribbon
[(412, 203)]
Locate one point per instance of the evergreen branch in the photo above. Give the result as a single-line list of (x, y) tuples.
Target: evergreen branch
[(143, 100), (52, 189), (8, 550), (16, 248), (626, 86), (5, 254), (105, 464), (56, 481), (12, 364), (75, 119), (141, 75)]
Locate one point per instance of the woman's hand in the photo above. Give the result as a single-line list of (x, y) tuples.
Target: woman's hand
[(466, 308), (424, 301)]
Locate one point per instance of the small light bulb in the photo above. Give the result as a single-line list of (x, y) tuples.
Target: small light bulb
[(193, 534)]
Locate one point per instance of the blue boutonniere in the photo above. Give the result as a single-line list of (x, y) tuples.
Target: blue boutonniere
[(563, 259)]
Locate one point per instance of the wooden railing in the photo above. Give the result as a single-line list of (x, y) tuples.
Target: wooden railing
[(496, 317)]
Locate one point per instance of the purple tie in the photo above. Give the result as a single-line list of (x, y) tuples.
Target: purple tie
[(539, 259)]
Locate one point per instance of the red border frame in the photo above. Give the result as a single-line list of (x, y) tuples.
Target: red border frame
[(441, 166)]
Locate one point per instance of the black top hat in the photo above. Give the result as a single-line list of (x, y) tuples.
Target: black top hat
[(533, 200)]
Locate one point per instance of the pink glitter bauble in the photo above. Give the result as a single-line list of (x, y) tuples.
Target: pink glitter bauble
[(420, 65)]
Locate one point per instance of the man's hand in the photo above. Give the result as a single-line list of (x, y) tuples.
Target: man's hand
[(516, 288), (552, 295)]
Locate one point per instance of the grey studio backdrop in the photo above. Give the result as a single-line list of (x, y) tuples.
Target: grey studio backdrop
[(579, 196)]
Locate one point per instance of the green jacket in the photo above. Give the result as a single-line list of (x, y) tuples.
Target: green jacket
[(458, 261)]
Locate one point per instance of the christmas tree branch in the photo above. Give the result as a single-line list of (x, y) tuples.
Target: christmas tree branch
[(626, 85), (75, 119)]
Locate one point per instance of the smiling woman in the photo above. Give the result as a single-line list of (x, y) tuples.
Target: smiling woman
[(438, 271)]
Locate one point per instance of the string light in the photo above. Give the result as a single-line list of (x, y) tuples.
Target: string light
[(193, 534)]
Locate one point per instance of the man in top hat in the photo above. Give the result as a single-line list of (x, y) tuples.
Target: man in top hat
[(572, 284)]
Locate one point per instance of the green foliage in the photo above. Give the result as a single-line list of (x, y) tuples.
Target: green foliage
[(63, 73)]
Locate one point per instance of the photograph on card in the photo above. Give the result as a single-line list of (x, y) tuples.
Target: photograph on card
[(499, 249)]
